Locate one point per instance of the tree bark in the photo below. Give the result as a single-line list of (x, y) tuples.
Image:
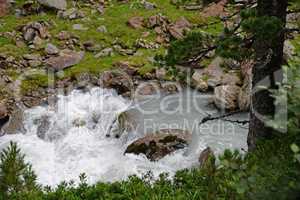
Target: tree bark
[(268, 60)]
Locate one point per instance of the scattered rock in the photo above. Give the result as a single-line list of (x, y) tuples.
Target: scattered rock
[(170, 87), (179, 27), (57, 4), (226, 97), (37, 42), (215, 9), (51, 49), (3, 7), (32, 56), (63, 35), (71, 14), (33, 60), (123, 123), (43, 126), (102, 29), (15, 123), (79, 27), (198, 81), (136, 22), (148, 5), (91, 46), (205, 154), (105, 52), (65, 59), (100, 8), (117, 80), (141, 43), (161, 73), (126, 67), (122, 51), (158, 145), (214, 72), (231, 78), (33, 30), (289, 50), (148, 88)]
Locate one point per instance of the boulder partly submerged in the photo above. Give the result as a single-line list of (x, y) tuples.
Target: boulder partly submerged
[(158, 145), (15, 123)]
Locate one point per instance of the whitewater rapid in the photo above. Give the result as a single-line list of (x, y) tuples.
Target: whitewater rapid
[(73, 140)]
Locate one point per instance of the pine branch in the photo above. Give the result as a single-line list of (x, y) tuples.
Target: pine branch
[(212, 118)]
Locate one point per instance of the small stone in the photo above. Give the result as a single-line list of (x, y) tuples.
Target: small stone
[(34, 63), (161, 73), (57, 4), (66, 59), (136, 22), (37, 41), (64, 35), (102, 29), (79, 27), (29, 34), (51, 49), (32, 56), (149, 5), (105, 52)]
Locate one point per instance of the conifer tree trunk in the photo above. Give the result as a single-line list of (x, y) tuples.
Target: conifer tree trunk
[(266, 64)]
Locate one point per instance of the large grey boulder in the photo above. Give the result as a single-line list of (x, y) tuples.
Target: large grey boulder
[(65, 59), (57, 4), (158, 145), (226, 97), (15, 123)]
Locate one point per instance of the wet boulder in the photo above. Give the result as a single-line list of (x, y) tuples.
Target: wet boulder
[(15, 123), (226, 97), (43, 126), (123, 123), (158, 145)]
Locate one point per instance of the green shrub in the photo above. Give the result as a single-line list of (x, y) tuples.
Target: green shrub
[(16, 175)]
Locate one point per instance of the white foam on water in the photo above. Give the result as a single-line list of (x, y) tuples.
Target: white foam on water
[(75, 142)]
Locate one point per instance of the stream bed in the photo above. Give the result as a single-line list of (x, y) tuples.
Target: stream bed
[(70, 138)]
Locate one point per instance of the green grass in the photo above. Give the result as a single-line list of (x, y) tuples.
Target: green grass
[(115, 19), (33, 82)]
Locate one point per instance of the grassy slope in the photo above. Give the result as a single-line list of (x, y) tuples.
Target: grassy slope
[(115, 19)]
